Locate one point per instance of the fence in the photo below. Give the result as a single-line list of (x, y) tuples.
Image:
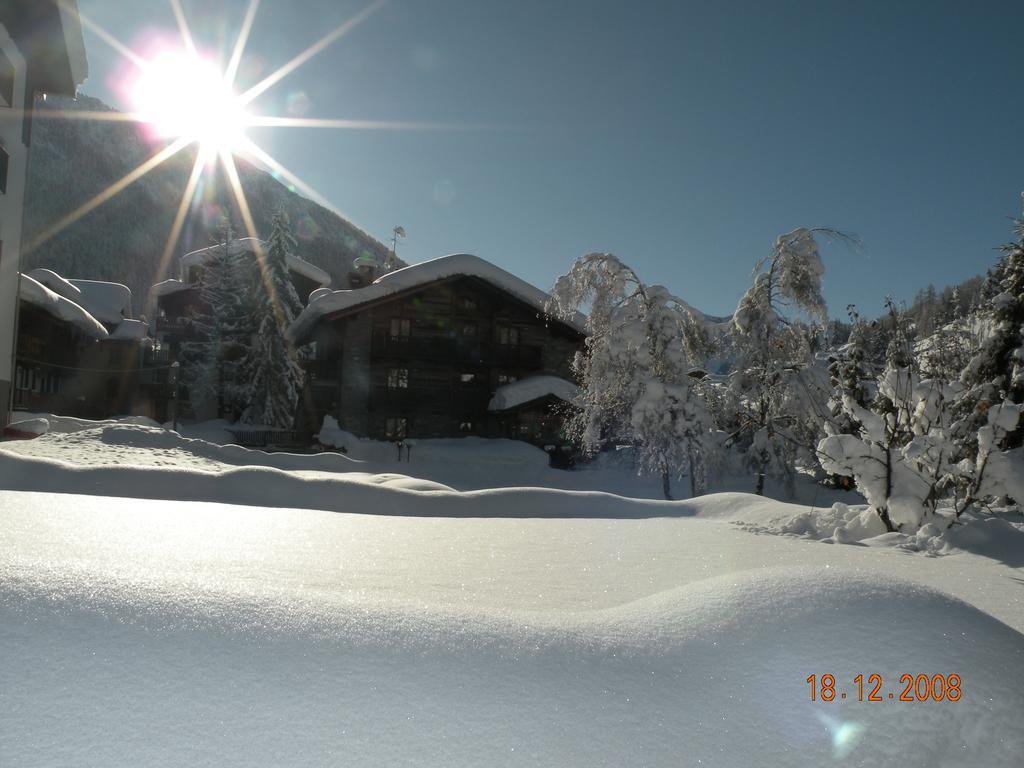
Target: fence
[(272, 438)]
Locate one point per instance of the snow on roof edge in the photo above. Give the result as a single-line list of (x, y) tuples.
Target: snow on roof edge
[(37, 294), (532, 388), (453, 265), (107, 301)]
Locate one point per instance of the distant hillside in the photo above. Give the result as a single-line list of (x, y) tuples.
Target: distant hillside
[(72, 160)]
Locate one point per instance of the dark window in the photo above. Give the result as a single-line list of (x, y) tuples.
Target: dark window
[(508, 335), (466, 426), (399, 328), (398, 378), (4, 162), (6, 81), (467, 303), (507, 378), (396, 428), (469, 330)]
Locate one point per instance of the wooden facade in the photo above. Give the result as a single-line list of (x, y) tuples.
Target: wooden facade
[(59, 369), (425, 362)]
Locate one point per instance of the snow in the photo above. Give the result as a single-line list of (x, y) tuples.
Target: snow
[(39, 295), (459, 264), (518, 392), (66, 424), (167, 287), (108, 302), (27, 428), (57, 284), (130, 330), (167, 633), (250, 245)]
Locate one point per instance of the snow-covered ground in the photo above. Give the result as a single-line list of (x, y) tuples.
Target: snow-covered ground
[(421, 625), (465, 464)]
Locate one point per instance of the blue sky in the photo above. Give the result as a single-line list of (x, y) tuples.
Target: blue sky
[(681, 136)]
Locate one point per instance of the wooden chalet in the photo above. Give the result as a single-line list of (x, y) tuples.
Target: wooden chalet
[(423, 351), (67, 361)]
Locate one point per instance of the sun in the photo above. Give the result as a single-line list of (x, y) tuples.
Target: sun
[(182, 95)]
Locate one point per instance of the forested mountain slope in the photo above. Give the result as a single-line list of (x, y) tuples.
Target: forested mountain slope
[(121, 240)]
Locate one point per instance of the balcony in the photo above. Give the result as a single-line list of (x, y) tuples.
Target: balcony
[(457, 350)]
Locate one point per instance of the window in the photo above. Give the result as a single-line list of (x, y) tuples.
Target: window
[(507, 378), (469, 330), (399, 328), (6, 81), (467, 303), (398, 378), (396, 428), (466, 426), (467, 378), (508, 335)]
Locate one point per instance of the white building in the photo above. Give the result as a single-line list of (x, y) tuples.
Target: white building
[(41, 51)]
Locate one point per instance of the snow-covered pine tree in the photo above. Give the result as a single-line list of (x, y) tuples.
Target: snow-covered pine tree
[(780, 398), (274, 374), (634, 370), (995, 373), (947, 351), (216, 327)]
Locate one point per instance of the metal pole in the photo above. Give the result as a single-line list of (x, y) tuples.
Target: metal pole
[(175, 368)]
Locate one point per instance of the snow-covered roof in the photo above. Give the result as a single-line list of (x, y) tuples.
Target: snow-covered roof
[(455, 265), (56, 283), (169, 286), (33, 292), (519, 392), (250, 245), (130, 330), (107, 302)]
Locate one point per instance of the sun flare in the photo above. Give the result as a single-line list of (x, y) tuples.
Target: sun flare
[(184, 96)]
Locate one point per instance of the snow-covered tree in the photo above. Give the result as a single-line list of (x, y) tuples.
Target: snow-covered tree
[(275, 377), (779, 394), (216, 326), (995, 373), (906, 461), (642, 343), (672, 429), (947, 351), (902, 459)]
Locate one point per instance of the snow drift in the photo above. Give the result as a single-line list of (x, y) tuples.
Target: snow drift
[(179, 634)]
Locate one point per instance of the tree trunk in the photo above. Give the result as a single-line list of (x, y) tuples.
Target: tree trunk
[(760, 484), (666, 484), (884, 514)]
